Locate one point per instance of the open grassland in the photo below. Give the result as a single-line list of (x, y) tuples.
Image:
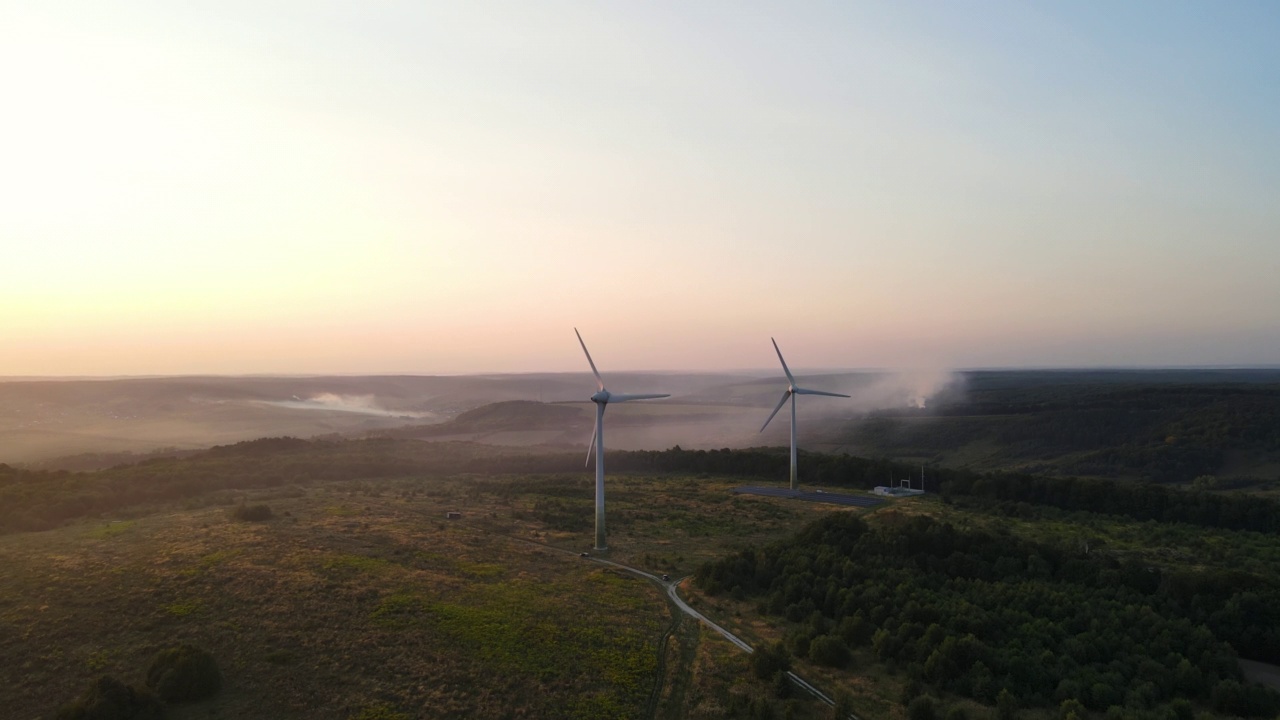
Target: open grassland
[(360, 600), (662, 524), (352, 601)]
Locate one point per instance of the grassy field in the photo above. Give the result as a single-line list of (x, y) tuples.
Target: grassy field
[(360, 600)]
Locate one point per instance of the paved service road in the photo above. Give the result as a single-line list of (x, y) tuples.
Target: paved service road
[(671, 587), (674, 585)]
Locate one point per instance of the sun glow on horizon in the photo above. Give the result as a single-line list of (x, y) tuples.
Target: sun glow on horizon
[(433, 188)]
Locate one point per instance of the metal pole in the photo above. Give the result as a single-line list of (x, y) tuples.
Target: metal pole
[(793, 443), (600, 541)]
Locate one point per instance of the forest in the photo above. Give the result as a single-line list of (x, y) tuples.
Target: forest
[(981, 614), (1159, 426)]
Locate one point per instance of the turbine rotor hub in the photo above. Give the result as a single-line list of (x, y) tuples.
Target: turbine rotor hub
[(600, 397)]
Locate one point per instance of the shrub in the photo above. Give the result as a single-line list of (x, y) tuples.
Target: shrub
[(381, 711), (781, 685), (280, 657), (767, 661), (253, 513), (109, 699), (1006, 705), (911, 689), (184, 673), (829, 650), (923, 708), (798, 642), (1181, 709)]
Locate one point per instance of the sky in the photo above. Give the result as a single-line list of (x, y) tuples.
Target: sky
[(447, 188)]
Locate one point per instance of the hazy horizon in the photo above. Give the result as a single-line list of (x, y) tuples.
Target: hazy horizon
[(430, 188), (761, 373)]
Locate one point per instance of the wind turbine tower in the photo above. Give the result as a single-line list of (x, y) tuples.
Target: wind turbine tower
[(790, 394), (602, 398)]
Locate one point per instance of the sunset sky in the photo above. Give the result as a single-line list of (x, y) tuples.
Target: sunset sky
[(452, 187)]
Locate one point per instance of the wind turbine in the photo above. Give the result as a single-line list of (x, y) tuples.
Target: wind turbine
[(602, 398), (790, 394)]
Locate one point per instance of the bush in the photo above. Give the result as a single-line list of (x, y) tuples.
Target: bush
[(1006, 705), (183, 674), (911, 689), (767, 661), (781, 685), (829, 650), (923, 708), (1245, 699), (1182, 709), (798, 643), (109, 699), (253, 513)]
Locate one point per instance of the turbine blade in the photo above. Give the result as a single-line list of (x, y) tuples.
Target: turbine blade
[(781, 402), (599, 382), (642, 396), (804, 391), (785, 369), (592, 447)]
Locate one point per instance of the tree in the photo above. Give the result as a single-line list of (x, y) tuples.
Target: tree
[(1006, 705), (1072, 709), (1204, 482), (854, 630), (1182, 709)]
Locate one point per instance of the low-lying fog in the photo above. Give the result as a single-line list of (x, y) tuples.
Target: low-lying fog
[(41, 421), (359, 404)]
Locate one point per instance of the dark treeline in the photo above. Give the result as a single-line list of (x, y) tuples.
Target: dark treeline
[(1158, 426), (1136, 500), (1140, 501), (974, 613), (773, 463)]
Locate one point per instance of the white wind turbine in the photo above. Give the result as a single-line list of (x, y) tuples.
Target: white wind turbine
[(601, 399), (791, 393)]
